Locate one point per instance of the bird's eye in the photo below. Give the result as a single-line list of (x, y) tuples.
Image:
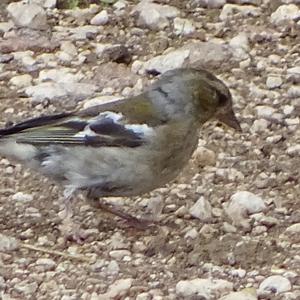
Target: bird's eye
[(223, 99)]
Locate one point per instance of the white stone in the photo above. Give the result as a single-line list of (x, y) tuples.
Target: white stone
[(117, 289), (172, 60), (288, 109), (113, 268), (210, 3), (285, 13), (44, 3), (6, 26), (206, 288), (28, 15), (22, 197), (276, 284), (245, 10), (46, 263), (155, 16), (264, 111), (259, 126), (8, 243), (249, 201), (240, 44), (101, 18), (45, 90), (21, 81), (121, 4), (100, 100), (191, 234), (294, 229), (294, 91), (246, 294), (294, 74), (59, 75), (183, 26), (273, 81), (69, 48), (201, 210), (119, 254)]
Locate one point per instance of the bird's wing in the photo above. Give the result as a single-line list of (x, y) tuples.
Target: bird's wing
[(106, 128)]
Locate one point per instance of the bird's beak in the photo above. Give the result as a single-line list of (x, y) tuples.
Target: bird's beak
[(228, 118)]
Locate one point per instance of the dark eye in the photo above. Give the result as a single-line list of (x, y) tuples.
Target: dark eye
[(223, 99)]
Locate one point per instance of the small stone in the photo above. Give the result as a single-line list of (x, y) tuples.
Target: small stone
[(21, 81), (28, 15), (69, 48), (204, 157), (285, 13), (47, 264), (294, 229), (273, 82), (276, 284), (251, 202), (113, 268), (294, 74), (22, 197), (294, 91), (101, 18), (264, 111), (240, 44), (206, 288), (246, 294), (259, 126), (201, 210), (117, 289), (245, 10), (154, 15), (25, 287), (183, 26), (119, 254), (8, 243), (191, 234), (209, 3)]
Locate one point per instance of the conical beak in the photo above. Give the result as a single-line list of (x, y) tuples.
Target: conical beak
[(228, 118)]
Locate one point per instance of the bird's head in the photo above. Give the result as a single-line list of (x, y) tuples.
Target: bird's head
[(209, 96)]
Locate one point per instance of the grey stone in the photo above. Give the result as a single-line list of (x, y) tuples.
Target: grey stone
[(285, 13), (276, 284), (28, 15)]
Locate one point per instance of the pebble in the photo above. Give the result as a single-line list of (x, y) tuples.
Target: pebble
[(273, 82), (117, 289), (119, 254), (206, 288), (8, 243), (21, 81), (183, 27), (28, 15), (285, 13), (259, 126), (201, 210), (245, 10), (276, 284), (245, 294), (251, 202), (294, 91), (46, 264), (209, 3), (22, 197), (101, 18), (204, 157), (293, 229), (264, 111)]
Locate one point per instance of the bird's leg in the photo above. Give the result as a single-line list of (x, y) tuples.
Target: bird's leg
[(131, 220), (70, 229)]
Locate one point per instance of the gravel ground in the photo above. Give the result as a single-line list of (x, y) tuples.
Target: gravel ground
[(231, 221)]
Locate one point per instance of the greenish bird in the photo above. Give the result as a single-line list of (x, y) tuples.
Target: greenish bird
[(127, 147)]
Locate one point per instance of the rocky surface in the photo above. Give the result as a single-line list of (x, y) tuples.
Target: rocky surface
[(230, 223)]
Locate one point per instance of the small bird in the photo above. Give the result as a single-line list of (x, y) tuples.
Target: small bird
[(123, 148)]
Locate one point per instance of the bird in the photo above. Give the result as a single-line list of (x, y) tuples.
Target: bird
[(123, 148)]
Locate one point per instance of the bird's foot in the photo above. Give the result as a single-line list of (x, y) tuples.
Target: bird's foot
[(72, 231), (132, 221)]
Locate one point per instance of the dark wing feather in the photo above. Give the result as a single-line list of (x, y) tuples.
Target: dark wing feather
[(68, 129)]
